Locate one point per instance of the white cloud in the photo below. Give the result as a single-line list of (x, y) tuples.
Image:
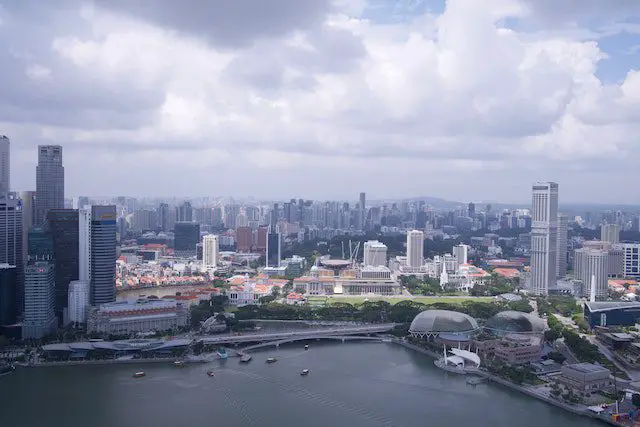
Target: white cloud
[(449, 94)]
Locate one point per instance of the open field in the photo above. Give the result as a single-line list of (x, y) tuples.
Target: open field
[(318, 300)]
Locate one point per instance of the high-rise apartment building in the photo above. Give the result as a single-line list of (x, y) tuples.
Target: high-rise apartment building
[(39, 301), (610, 233), (184, 212), (163, 217), (210, 251), (97, 252), (562, 253), (64, 226), (375, 253), (274, 244), (11, 243), (49, 181), (78, 301), (544, 237), (415, 248), (5, 164)]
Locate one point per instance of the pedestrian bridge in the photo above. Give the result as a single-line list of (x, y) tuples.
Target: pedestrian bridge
[(299, 335), (342, 338)]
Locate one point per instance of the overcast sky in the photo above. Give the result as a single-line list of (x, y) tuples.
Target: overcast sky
[(322, 99)]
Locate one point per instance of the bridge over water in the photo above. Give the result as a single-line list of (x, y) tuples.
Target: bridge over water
[(342, 338), (299, 335)]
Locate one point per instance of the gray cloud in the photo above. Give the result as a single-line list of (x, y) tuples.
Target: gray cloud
[(232, 24)]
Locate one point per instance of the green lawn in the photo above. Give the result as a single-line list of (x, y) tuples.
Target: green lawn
[(317, 300)]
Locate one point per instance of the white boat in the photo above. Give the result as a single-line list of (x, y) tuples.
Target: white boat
[(178, 363), (304, 372), (272, 360), (139, 374), (306, 347)]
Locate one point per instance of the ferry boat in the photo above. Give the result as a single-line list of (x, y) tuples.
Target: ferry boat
[(272, 360), (304, 372), (246, 358), (306, 347), (139, 374), (211, 373)]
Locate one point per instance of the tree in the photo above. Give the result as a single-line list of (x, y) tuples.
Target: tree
[(635, 399)]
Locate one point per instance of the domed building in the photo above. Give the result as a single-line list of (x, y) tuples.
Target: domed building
[(515, 322), (443, 323)]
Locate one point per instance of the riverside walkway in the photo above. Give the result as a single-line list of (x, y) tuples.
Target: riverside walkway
[(299, 335)]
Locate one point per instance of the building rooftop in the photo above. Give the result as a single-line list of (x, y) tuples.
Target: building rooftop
[(587, 368), (610, 305)]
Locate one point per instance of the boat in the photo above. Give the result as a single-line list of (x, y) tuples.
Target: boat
[(211, 373), (222, 353), (272, 360), (178, 363), (246, 358), (304, 372), (139, 374), (306, 347)]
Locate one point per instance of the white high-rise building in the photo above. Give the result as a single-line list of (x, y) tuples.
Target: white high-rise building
[(561, 263), (375, 253), (610, 233), (591, 266), (544, 237), (78, 301), (209, 251), (415, 248), (5, 164), (461, 252)]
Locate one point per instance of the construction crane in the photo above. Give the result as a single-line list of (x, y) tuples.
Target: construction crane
[(354, 248)]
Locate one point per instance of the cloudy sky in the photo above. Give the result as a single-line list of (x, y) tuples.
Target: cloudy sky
[(463, 99)]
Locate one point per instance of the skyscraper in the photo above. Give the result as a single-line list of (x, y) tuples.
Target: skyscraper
[(8, 280), (561, 264), (77, 302), (544, 237), (11, 243), (210, 251), (28, 200), (39, 316), (273, 248), (64, 227), (461, 252), (97, 252), (5, 164), (186, 238), (375, 253), (610, 233), (415, 248), (49, 181)]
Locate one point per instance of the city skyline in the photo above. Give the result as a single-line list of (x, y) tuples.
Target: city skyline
[(325, 98)]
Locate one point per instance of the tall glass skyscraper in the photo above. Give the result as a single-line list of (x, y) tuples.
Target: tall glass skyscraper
[(273, 248), (97, 252), (5, 164), (544, 237), (49, 182), (64, 227), (11, 243)]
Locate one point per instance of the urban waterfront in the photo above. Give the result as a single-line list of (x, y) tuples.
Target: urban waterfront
[(356, 384)]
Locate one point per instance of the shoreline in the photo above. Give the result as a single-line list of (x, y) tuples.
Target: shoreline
[(524, 390)]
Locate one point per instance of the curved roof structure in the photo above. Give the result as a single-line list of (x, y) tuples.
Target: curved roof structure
[(445, 321), (127, 345), (516, 322), (336, 263), (466, 355)]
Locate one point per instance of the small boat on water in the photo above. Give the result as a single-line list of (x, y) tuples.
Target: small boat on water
[(272, 360), (139, 374), (304, 372), (178, 363), (246, 358), (211, 373), (222, 353), (306, 347)]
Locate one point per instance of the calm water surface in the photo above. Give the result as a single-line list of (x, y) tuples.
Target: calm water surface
[(351, 384)]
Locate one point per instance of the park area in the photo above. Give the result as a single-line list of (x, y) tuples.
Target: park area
[(359, 299)]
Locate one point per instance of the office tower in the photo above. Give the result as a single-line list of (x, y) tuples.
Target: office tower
[(184, 212), (631, 263), (261, 239), (11, 243), (210, 251), (163, 217), (274, 246), (8, 282), (77, 301), (375, 253), (40, 242), (5, 165), (363, 200), (97, 252), (592, 263), (217, 216), (49, 182), (561, 254), (244, 239), (65, 229), (544, 236), (415, 248), (472, 209), (610, 233), (186, 237), (28, 200), (39, 300), (461, 252)]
